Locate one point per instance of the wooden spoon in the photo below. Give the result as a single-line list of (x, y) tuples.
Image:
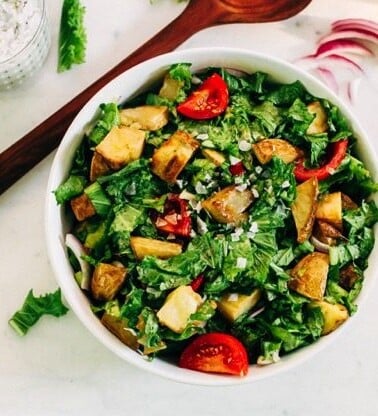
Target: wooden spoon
[(19, 158)]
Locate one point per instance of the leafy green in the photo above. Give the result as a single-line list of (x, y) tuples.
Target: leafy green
[(98, 198), (35, 307), (72, 35), (73, 186), (109, 117)]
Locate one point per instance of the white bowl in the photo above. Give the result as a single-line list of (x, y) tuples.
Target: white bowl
[(122, 88)]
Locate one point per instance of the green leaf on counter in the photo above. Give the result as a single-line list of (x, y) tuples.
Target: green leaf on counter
[(72, 35), (35, 307)]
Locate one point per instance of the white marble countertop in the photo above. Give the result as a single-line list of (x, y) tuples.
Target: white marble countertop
[(59, 368)]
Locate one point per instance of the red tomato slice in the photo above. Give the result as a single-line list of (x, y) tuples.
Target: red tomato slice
[(337, 153), (175, 218), (208, 101), (216, 353)]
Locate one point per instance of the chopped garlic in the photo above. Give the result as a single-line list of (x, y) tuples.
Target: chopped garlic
[(241, 262), (202, 136), (234, 160), (244, 146), (233, 297), (200, 188)]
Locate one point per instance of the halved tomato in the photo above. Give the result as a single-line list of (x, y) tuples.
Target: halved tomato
[(208, 101), (216, 352)]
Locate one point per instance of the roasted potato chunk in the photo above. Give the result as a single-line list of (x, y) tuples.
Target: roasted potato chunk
[(326, 233), (330, 209), (233, 305), (320, 122), (229, 205), (143, 247), (99, 167), (106, 281), (118, 327), (349, 276), (334, 315), (347, 202), (177, 308), (304, 208), (82, 207), (216, 157), (170, 88), (309, 275), (145, 117), (172, 156), (265, 149), (121, 146)]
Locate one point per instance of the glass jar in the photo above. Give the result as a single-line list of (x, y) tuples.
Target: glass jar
[(25, 38)]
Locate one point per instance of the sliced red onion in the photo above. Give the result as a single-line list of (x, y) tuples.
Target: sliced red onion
[(352, 89), (320, 246), (328, 77), (79, 251), (360, 34), (342, 46), (351, 24), (346, 62)]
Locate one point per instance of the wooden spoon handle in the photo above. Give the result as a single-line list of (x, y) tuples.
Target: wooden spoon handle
[(23, 155)]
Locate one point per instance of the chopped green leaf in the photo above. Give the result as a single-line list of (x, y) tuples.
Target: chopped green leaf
[(35, 307), (72, 35)]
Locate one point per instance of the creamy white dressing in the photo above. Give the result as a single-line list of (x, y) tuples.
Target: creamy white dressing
[(19, 20)]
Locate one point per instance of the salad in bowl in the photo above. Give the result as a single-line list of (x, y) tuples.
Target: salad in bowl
[(216, 218)]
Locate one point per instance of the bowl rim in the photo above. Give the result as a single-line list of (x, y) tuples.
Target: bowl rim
[(53, 213)]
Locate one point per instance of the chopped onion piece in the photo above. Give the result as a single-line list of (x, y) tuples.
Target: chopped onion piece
[(78, 250), (320, 246)]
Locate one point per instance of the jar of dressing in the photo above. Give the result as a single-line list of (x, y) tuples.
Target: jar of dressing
[(24, 40)]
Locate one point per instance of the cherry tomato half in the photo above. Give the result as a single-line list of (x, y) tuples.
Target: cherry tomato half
[(208, 101), (176, 218), (337, 152), (215, 352)]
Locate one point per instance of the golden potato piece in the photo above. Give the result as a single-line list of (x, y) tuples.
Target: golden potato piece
[(326, 233), (233, 305), (229, 205), (177, 308), (304, 208), (216, 157), (265, 149), (309, 276), (82, 207), (145, 117), (172, 156), (334, 315), (347, 202), (121, 146), (99, 167), (106, 281), (320, 122), (170, 88), (143, 247), (118, 327), (330, 209), (349, 276)]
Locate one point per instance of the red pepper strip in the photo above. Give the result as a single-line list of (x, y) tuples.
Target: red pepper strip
[(337, 154), (237, 169), (197, 282), (175, 218)]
